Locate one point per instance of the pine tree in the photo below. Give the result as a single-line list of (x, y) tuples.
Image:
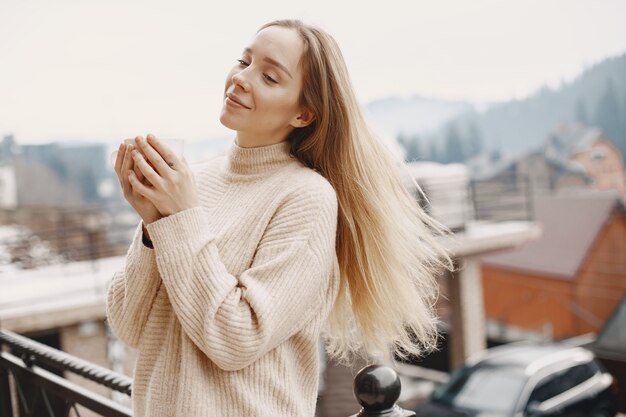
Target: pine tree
[(581, 112), (411, 147), (607, 114), (453, 149), (621, 140), (474, 140), (401, 139), (433, 152)]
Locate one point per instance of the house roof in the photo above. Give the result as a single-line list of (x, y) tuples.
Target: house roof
[(570, 225), (570, 138), (485, 166), (483, 169)]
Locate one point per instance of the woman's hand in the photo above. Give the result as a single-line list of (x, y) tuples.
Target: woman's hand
[(170, 184), (124, 164)]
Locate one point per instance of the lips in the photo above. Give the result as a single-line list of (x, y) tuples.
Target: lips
[(236, 100)]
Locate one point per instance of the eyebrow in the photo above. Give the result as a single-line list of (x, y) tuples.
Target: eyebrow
[(272, 62)]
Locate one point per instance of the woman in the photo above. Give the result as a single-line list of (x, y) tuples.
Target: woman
[(304, 225)]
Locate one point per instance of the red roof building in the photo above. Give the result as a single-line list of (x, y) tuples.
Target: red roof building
[(568, 282)]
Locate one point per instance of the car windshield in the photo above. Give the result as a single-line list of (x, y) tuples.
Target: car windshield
[(482, 388)]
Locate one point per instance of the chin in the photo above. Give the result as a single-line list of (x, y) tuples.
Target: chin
[(227, 121)]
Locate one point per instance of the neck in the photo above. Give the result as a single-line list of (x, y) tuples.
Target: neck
[(246, 140), (258, 159)]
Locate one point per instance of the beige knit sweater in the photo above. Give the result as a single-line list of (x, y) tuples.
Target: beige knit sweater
[(227, 309)]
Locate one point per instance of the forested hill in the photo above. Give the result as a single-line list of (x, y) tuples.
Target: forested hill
[(597, 97)]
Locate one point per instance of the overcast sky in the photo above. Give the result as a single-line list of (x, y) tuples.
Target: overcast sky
[(106, 70)]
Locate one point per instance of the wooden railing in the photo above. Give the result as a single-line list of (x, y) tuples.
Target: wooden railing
[(29, 385)]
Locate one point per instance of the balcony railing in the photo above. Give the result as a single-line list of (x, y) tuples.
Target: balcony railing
[(32, 382), (454, 199), (52, 235), (27, 388)]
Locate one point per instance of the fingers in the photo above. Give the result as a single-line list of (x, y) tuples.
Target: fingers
[(140, 187), (138, 172), (152, 156), (161, 148), (164, 156), (144, 168), (118, 160), (127, 164)]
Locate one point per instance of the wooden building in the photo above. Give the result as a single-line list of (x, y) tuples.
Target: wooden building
[(573, 157), (568, 282), (591, 149)]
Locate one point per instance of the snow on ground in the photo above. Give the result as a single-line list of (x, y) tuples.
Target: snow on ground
[(61, 284)]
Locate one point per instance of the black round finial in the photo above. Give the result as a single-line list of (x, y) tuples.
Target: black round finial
[(377, 388)]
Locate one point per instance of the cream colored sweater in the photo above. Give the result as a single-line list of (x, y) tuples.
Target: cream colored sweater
[(227, 309)]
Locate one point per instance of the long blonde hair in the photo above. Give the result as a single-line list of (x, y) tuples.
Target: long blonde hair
[(386, 246)]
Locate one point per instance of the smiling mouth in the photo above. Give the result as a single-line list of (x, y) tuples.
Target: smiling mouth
[(233, 101)]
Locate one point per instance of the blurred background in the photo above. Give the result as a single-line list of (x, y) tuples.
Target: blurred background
[(509, 114)]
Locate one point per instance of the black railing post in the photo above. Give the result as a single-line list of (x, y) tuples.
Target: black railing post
[(377, 388), (6, 408)]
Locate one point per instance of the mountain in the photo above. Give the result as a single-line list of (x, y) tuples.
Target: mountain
[(597, 97), (412, 115), (521, 125)]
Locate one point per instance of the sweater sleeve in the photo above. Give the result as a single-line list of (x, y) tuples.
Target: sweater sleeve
[(132, 291), (234, 320)]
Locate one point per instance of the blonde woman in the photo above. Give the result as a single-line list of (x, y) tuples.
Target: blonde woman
[(303, 226)]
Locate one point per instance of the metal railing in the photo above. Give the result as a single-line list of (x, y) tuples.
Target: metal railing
[(28, 389), (96, 232), (61, 244), (503, 199), (455, 202)]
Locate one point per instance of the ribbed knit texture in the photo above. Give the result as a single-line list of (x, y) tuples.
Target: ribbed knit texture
[(227, 309)]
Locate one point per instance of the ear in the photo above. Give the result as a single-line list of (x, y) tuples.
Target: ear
[(303, 119)]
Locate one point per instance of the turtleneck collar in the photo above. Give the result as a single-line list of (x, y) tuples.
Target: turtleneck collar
[(257, 160)]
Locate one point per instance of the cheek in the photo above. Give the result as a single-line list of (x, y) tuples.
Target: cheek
[(229, 80), (283, 101)]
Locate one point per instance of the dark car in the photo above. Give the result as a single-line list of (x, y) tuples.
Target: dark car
[(524, 380)]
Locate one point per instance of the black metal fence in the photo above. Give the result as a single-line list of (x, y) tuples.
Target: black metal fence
[(32, 383)]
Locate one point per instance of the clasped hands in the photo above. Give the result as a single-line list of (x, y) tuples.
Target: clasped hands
[(154, 180)]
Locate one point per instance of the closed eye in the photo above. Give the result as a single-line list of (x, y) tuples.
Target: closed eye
[(268, 78)]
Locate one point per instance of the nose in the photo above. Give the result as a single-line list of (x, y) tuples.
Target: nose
[(239, 78)]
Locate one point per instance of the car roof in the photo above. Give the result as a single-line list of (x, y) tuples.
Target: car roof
[(531, 357)]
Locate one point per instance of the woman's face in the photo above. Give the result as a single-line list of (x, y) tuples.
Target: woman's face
[(261, 97)]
